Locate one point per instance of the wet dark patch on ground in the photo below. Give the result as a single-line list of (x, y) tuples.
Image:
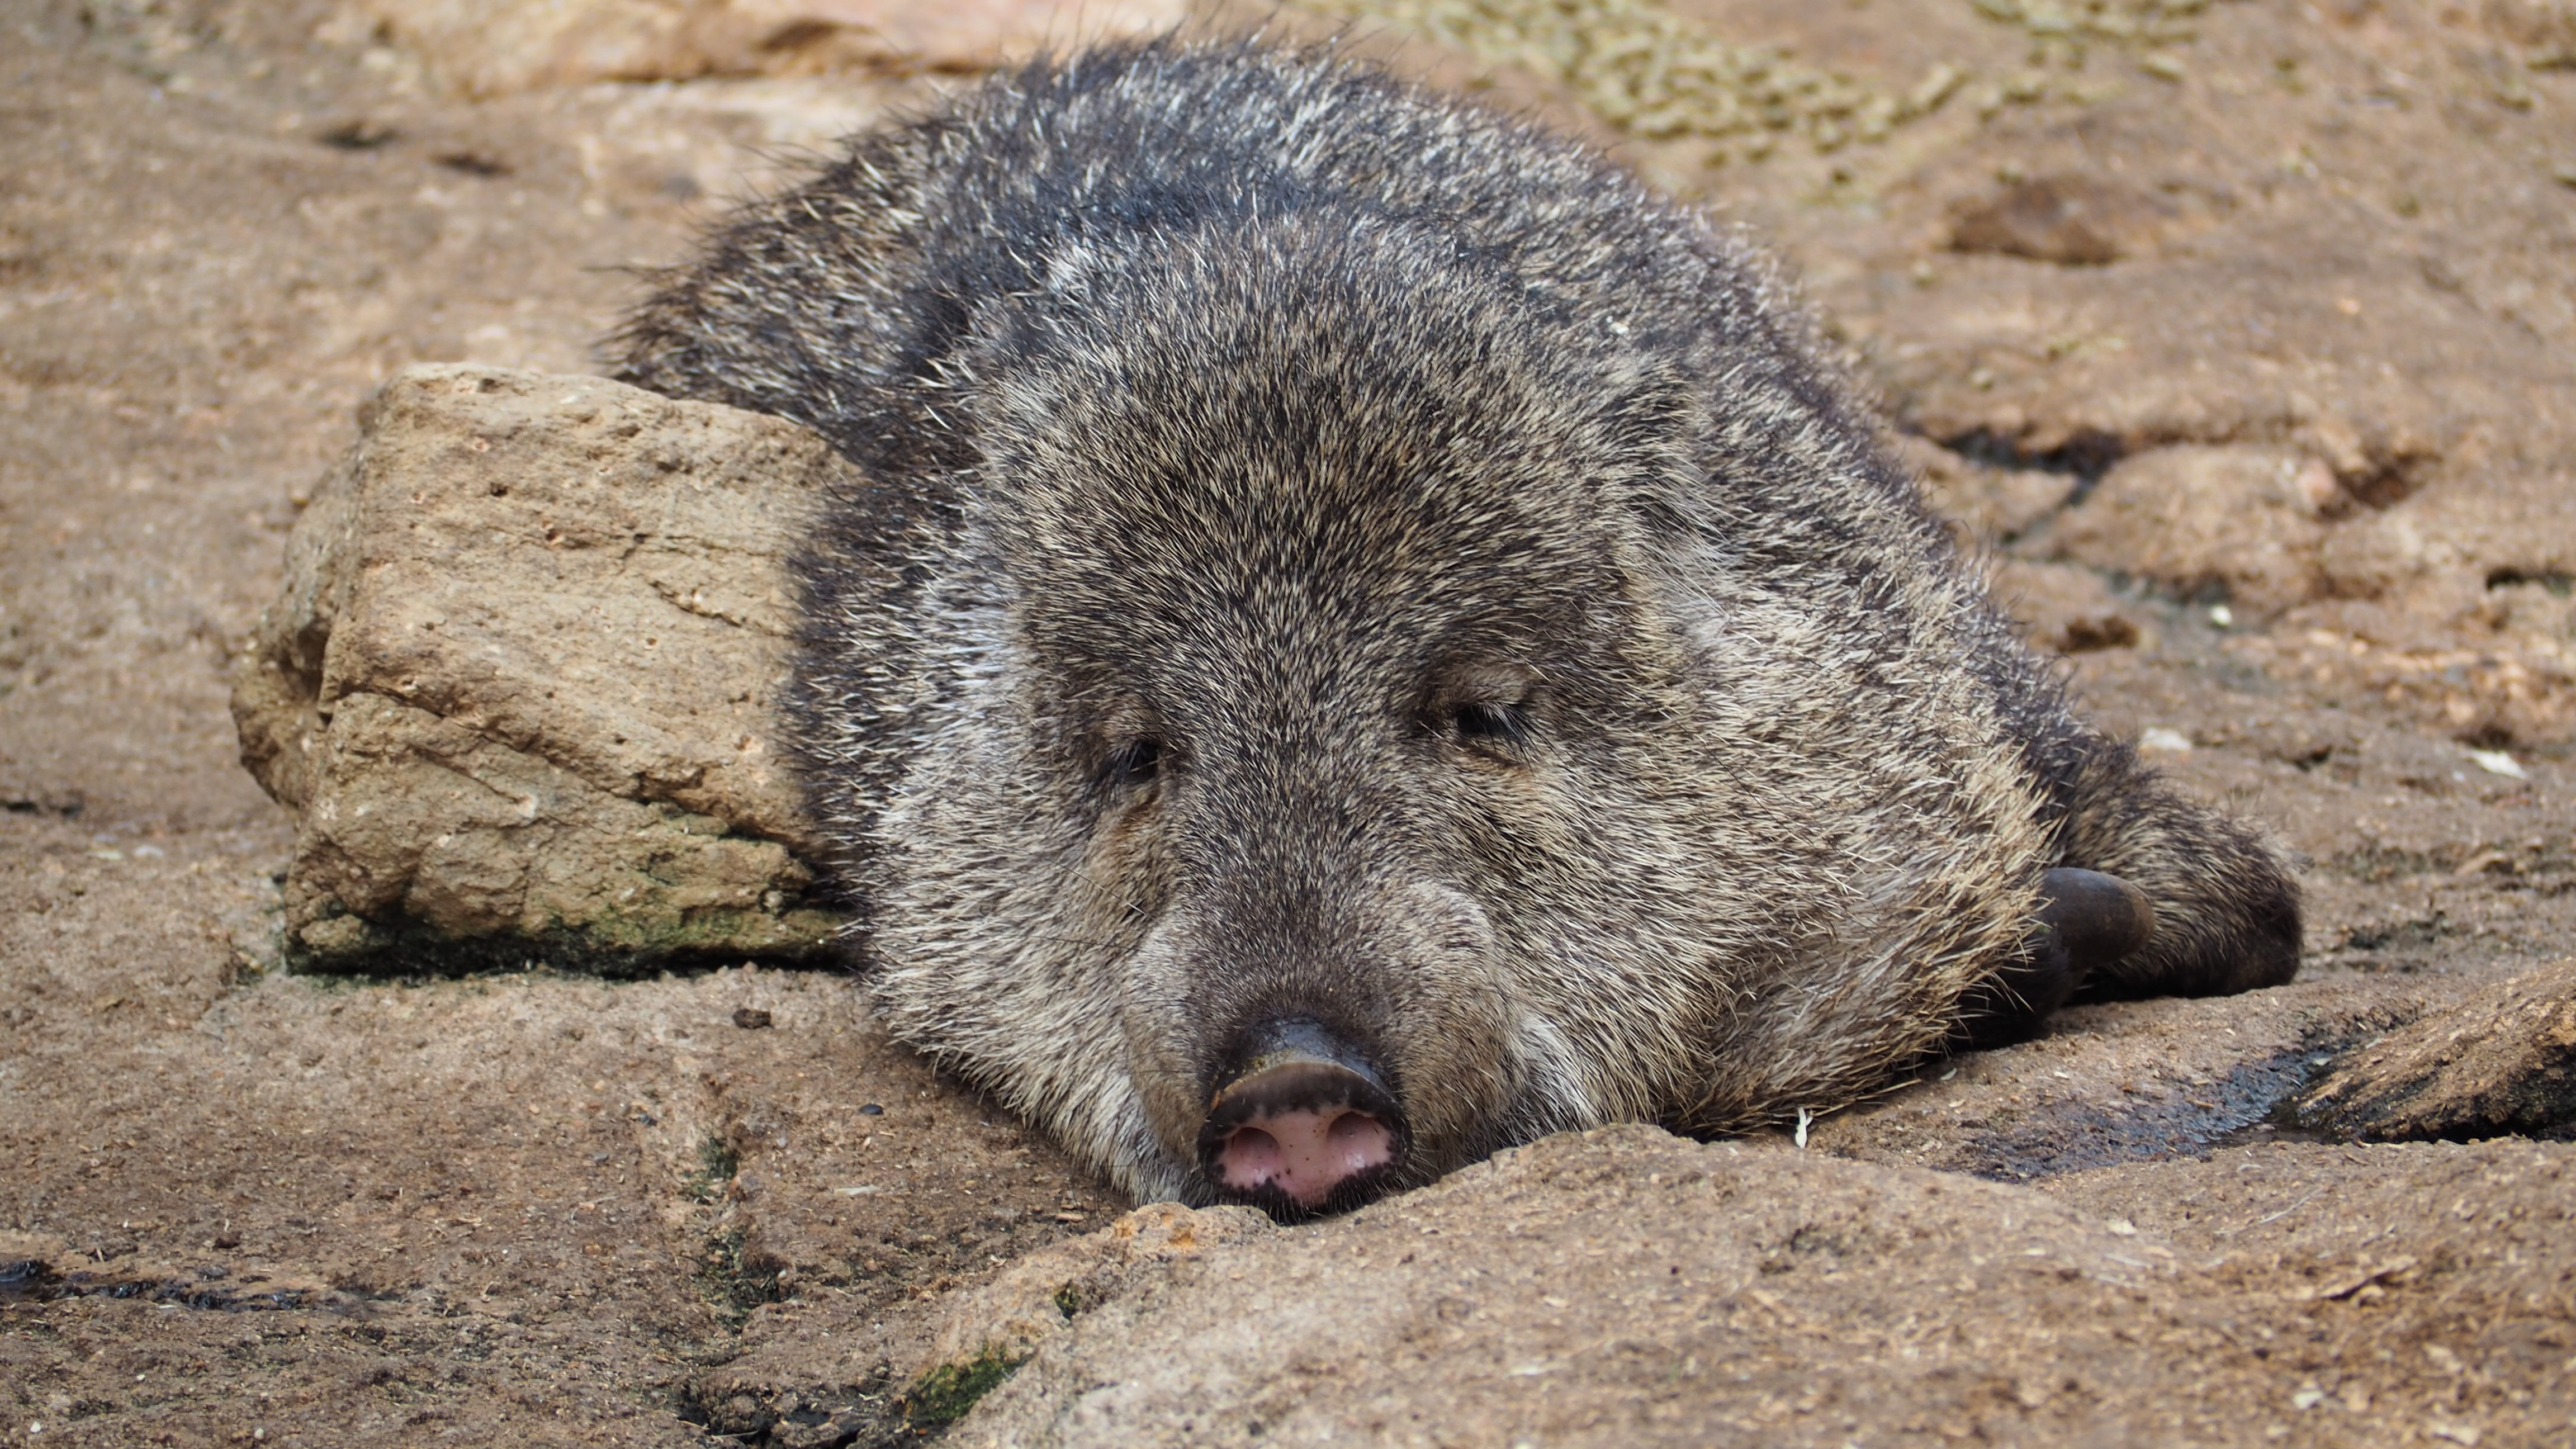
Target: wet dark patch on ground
[(2193, 1119)]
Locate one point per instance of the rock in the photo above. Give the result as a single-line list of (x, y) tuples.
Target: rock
[(2502, 1061), (1624, 1287), (481, 48), (519, 680), (2056, 605), (1617, 1286), (2069, 609), (2370, 1286), (1035, 1297), (2154, 1082), (1987, 505), (2240, 522), (2072, 219)]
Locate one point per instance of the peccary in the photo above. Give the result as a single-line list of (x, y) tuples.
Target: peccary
[(1373, 637)]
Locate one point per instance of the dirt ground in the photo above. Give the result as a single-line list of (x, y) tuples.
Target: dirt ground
[(2247, 354)]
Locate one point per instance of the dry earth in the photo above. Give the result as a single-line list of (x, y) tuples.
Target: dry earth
[(2242, 336)]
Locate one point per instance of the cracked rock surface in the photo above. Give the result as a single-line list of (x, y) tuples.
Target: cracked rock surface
[(1625, 1287), (2501, 1061), (521, 681)]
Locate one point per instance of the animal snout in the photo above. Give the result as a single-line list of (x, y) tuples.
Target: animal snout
[(1303, 1124)]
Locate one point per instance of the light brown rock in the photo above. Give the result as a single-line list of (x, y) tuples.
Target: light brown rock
[(2066, 608), (1033, 1300), (2072, 220), (521, 679), (1614, 1287), (1624, 1287), (1986, 505), (2241, 524), (2502, 1061)]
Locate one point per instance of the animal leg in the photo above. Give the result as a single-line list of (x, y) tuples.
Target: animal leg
[(2088, 922), (2226, 905)]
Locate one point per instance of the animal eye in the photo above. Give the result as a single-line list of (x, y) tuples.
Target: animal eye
[(1134, 763), (1504, 724)]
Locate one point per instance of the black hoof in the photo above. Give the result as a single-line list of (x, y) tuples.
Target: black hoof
[(2087, 921), (2100, 919)]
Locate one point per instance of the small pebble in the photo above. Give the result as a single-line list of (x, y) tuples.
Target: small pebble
[(2497, 762)]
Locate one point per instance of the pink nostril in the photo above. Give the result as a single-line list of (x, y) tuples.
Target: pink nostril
[(1358, 1142), (1305, 1154), (1252, 1154)]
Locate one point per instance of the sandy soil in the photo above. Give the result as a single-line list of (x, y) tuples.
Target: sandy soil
[(252, 1207)]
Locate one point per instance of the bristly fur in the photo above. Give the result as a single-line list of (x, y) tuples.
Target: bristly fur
[(1334, 551)]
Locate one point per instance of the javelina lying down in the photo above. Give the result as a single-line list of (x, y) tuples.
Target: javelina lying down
[(1373, 637)]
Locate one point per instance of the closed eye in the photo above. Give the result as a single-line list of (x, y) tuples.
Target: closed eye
[(1493, 724), (1135, 763)]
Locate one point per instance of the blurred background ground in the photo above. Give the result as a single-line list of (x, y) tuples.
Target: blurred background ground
[(2239, 336)]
